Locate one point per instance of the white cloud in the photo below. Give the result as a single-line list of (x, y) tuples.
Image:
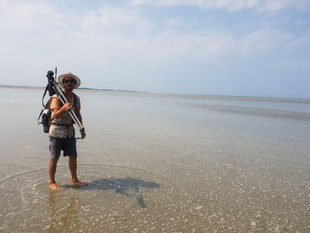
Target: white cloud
[(117, 19), (108, 40), (232, 5), (275, 5), (207, 4), (261, 40), (117, 32), (112, 30), (293, 64), (120, 42), (268, 40), (27, 15)]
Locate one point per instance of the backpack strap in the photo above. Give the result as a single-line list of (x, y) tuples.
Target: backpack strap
[(75, 101), (46, 106), (46, 89), (40, 116)]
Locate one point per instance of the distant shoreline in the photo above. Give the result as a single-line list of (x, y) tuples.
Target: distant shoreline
[(174, 95), (81, 88)]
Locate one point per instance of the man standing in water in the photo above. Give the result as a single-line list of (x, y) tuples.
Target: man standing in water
[(61, 132)]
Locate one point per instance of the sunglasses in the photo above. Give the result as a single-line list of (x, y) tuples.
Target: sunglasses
[(69, 81)]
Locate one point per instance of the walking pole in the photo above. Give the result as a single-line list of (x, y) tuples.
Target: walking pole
[(57, 89)]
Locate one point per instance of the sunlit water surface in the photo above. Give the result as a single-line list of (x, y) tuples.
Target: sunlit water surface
[(160, 164)]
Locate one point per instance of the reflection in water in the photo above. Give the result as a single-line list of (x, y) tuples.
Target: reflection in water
[(63, 213)]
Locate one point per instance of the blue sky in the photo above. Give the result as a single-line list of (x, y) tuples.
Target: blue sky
[(212, 47)]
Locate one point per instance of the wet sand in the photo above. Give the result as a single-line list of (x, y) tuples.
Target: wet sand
[(155, 165)]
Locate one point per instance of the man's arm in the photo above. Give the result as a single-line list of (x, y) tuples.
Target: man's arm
[(57, 109), (79, 116)]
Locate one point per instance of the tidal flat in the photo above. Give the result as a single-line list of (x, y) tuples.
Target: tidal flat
[(160, 163)]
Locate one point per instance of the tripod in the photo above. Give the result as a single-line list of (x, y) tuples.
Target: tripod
[(54, 88)]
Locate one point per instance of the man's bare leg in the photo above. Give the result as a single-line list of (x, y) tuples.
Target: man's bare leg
[(52, 171), (73, 169)]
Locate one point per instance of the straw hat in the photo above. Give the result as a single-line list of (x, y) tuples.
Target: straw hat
[(68, 75)]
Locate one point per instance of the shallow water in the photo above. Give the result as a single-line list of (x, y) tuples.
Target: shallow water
[(160, 164)]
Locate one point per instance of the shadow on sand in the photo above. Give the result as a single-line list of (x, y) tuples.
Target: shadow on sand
[(128, 187)]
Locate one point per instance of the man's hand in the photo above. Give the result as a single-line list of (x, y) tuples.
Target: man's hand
[(59, 111), (83, 135), (67, 106)]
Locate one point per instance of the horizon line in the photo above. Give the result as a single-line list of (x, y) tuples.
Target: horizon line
[(288, 99)]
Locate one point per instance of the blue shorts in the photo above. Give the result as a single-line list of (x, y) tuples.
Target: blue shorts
[(67, 145)]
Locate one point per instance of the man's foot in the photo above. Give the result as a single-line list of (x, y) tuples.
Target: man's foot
[(54, 186), (79, 183)]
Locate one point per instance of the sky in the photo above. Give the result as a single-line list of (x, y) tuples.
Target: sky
[(211, 47)]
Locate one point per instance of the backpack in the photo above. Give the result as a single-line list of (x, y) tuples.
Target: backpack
[(46, 112)]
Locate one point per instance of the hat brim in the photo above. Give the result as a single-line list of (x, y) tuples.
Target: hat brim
[(68, 75)]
